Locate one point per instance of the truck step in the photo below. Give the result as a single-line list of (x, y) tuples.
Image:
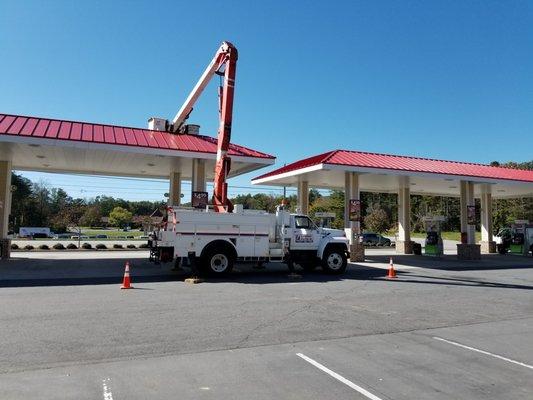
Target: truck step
[(276, 253)]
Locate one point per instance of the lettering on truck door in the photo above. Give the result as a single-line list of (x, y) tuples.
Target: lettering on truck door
[(305, 234)]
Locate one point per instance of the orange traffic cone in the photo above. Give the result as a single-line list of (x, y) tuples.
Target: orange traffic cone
[(126, 284), (392, 272)]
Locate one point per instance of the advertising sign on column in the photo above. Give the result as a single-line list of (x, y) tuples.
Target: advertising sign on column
[(199, 199), (471, 215), (354, 211)]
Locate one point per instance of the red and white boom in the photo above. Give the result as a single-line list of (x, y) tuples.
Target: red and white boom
[(224, 64)]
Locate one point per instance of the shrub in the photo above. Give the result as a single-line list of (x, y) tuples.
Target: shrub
[(118, 246), (144, 246), (101, 246), (14, 246), (71, 246), (59, 246), (28, 247), (44, 247), (131, 246), (86, 246)]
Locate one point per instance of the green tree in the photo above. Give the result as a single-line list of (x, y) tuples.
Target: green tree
[(40, 208), (120, 217), (20, 201), (314, 195), (332, 203), (377, 220), (59, 200), (92, 216)]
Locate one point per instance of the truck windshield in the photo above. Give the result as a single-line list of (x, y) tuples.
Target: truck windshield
[(303, 223)]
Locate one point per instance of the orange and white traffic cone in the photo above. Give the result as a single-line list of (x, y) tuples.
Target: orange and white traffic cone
[(126, 284), (392, 272)]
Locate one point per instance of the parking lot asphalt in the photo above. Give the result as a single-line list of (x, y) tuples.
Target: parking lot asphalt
[(443, 329)]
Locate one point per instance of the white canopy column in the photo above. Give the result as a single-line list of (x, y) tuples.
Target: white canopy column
[(404, 245), (303, 197), (468, 249), (352, 228), (467, 200), (198, 175), (174, 194), (5, 197), (487, 244), (351, 192)]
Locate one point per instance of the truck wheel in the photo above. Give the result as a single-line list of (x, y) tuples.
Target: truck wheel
[(217, 261), (334, 261)]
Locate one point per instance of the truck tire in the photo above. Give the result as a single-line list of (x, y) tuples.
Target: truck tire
[(217, 260), (334, 260)]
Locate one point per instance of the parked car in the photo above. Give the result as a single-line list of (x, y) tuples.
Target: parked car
[(375, 239), (101, 236)]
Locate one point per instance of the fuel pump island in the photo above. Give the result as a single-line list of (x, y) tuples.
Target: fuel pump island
[(433, 245), (516, 239)]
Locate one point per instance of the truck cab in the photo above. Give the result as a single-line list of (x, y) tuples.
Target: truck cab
[(310, 246)]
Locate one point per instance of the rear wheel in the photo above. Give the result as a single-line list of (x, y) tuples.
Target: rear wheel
[(334, 260), (217, 261)]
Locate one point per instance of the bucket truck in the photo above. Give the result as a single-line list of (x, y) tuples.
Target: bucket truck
[(215, 238)]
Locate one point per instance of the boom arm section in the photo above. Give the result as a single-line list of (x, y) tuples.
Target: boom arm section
[(225, 58)]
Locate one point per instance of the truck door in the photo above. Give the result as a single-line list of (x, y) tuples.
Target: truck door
[(305, 234)]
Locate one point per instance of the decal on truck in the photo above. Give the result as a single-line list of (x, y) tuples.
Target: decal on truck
[(300, 238)]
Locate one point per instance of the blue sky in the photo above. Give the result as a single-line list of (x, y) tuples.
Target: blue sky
[(440, 79)]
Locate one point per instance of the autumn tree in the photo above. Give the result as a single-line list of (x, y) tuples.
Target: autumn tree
[(120, 217)]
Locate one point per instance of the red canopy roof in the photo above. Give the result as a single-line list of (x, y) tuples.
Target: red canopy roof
[(36, 127), (404, 163)]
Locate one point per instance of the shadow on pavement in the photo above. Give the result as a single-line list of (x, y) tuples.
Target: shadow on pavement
[(32, 272), (85, 281), (408, 277), (451, 263)]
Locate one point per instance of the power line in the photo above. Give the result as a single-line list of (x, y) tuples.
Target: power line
[(165, 181)]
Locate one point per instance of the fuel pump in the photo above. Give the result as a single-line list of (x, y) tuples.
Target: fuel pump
[(433, 244), (521, 237)]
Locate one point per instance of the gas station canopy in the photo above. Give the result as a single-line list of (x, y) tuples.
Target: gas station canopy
[(52, 145), (380, 173)]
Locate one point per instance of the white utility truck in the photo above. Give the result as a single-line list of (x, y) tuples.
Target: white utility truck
[(214, 241)]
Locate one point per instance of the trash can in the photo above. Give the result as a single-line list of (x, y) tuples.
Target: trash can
[(5, 248), (417, 249)]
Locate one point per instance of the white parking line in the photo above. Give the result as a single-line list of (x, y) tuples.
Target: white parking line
[(484, 352), (340, 378), (107, 391)]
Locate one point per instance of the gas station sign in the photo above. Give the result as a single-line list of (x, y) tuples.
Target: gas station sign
[(199, 199), (471, 215), (354, 211), (323, 214)]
